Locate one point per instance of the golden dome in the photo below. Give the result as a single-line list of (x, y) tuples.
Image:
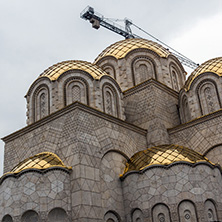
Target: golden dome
[(212, 65), (58, 69), (40, 161), (120, 49), (163, 155)]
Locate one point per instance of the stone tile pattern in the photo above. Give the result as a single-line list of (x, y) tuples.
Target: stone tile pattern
[(170, 187), (112, 166), (215, 154), (35, 191), (127, 74), (203, 97), (97, 145), (59, 94), (149, 102), (200, 135), (80, 138), (153, 108)]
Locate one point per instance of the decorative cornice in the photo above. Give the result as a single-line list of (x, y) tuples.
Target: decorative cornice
[(122, 177), (40, 171), (195, 122), (68, 109), (148, 83)]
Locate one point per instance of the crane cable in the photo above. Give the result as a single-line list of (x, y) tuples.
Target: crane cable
[(162, 43)]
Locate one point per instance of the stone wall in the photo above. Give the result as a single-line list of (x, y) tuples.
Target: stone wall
[(201, 134), (178, 191), (80, 136), (152, 106), (36, 194)]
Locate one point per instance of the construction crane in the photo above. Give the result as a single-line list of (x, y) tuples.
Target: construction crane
[(97, 20)]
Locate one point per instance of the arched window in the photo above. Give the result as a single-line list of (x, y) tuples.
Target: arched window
[(143, 69), (111, 216), (137, 216), (210, 211), (57, 215), (41, 107), (76, 90), (30, 216), (7, 218), (187, 211), (110, 100), (186, 110), (161, 213), (208, 98), (110, 70), (174, 80)]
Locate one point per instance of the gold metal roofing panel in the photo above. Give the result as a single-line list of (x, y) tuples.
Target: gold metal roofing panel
[(212, 65), (163, 155), (58, 69), (120, 49), (40, 161)]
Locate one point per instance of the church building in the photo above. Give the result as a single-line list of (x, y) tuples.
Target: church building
[(123, 139)]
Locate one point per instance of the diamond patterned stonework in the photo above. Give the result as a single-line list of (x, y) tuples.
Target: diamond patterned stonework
[(126, 139)]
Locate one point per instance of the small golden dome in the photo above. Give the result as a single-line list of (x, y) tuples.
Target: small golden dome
[(120, 49), (58, 69), (212, 65), (40, 161), (163, 155)]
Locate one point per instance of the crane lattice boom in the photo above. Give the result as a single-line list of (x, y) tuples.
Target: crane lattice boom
[(97, 20)]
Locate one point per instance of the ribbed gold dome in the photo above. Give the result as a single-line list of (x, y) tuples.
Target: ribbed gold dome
[(162, 155), (40, 161), (212, 65), (120, 49), (58, 69)]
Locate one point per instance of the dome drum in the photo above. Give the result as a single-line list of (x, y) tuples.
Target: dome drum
[(202, 91), (68, 82), (169, 172), (152, 60), (130, 102)]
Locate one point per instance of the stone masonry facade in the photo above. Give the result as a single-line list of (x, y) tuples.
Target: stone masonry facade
[(124, 139)]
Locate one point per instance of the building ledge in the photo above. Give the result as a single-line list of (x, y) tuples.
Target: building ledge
[(67, 109)]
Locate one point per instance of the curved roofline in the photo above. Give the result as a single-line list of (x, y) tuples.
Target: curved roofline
[(53, 71), (113, 80), (28, 170), (35, 83), (71, 70), (103, 58), (211, 165), (116, 151), (121, 48), (162, 155), (14, 170), (176, 60), (142, 50), (188, 87), (210, 66)]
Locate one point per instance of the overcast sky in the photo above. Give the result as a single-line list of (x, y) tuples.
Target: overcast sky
[(35, 34)]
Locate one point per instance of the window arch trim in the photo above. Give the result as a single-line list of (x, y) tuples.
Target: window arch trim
[(75, 79), (145, 58), (198, 88), (115, 98), (34, 100), (110, 65)]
